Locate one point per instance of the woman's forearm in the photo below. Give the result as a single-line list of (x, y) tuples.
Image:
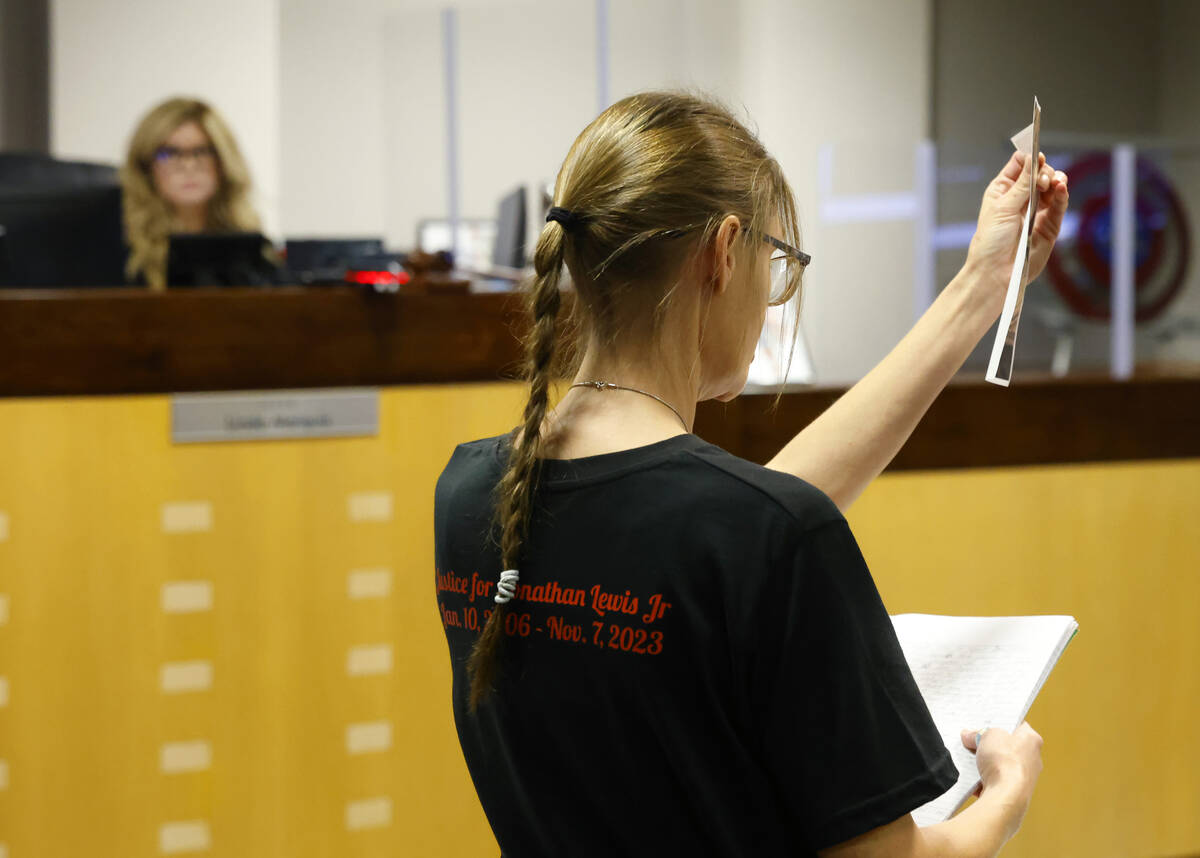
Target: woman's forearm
[(855, 438), (980, 831)]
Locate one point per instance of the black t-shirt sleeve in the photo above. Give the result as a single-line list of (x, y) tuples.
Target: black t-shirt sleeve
[(847, 737)]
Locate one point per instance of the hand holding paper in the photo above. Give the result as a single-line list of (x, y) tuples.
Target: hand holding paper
[(1017, 229), (1005, 202), (977, 672), (1004, 349)]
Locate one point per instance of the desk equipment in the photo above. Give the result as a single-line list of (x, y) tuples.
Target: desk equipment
[(36, 170), (325, 261), (469, 242), (61, 236), (219, 259), (490, 251), (508, 251)]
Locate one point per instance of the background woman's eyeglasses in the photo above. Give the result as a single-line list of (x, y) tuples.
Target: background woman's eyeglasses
[(174, 158)]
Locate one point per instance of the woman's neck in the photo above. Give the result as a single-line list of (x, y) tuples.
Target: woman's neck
[(192, 218), (589, 422), (669, 383)]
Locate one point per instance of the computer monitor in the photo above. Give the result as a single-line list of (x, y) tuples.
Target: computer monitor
[(63, 236), (219, 259), (33, 170), (325, 260), (509, 248), (476, 238)]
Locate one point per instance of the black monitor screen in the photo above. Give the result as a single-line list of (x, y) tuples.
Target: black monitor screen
[(218, 259), (509, 249), (61, 237)]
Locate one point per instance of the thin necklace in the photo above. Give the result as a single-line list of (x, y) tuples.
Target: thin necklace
[(608, 385)]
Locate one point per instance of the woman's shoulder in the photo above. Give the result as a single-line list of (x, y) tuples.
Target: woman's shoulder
[(479, 447), (474, 458), (786, 494), (695, 474)]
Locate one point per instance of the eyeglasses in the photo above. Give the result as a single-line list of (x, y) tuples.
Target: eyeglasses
[(787, 264), (173, 157)]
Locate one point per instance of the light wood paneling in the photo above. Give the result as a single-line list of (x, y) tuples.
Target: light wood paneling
[(1117, 546), (83, 483)]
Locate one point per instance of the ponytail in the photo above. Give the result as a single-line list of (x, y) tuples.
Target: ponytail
[(515, 503)]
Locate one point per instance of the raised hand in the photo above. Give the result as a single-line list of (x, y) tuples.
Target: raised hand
[(994, 246)]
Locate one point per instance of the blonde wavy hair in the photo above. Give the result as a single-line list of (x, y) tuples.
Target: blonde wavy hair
[(651, 179), (148, 218)]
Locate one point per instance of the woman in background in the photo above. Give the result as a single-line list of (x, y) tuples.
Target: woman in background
[(183, 173)]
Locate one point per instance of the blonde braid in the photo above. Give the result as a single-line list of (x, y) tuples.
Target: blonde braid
[(643, 189), (516, 488)]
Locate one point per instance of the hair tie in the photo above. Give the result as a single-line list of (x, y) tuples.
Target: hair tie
[(566, 217), (507, 588)]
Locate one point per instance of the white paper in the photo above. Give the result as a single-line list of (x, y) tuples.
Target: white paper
[(975, 673), (1004, 347)]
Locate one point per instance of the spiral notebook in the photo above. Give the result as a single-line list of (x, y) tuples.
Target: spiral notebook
[(977, 672)]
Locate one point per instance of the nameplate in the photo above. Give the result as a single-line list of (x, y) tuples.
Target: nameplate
[(257, 416)]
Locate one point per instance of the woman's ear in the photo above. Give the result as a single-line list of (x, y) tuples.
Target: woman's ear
[(722, 255)]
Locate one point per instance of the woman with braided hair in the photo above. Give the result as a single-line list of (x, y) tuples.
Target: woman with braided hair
[(659, 648)]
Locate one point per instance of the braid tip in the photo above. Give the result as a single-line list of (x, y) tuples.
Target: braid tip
[(507, 586)]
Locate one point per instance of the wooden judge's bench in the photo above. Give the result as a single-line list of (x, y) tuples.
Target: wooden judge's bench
[(233, 648)]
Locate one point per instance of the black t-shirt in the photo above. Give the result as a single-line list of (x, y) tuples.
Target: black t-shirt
[(697, 661)]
